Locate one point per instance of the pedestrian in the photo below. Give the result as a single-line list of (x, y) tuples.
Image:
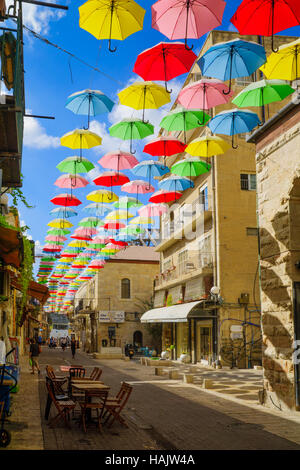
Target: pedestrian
[(63, 343), (34, 352), (73, 347)]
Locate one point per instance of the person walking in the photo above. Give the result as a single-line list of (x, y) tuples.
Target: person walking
[(73, 347), (34, 353)]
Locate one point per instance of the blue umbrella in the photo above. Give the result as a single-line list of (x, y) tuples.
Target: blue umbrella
[(234, 122), (176, 183), (63, 213), (97, 209), (89, 103), (149, 168), (232, 59)]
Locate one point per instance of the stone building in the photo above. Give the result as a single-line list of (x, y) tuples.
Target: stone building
[(278, 178), (108, 307), (209, 238)]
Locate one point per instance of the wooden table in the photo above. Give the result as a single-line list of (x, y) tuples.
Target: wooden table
[(84, 380), (86, 387), (67, 368)]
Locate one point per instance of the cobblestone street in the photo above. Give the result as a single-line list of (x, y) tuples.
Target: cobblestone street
[(162, 414)]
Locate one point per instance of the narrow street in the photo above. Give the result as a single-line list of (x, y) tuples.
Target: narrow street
[(162, 415)]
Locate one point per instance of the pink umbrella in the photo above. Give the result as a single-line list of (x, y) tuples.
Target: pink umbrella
[(97, 263), (152, 210), (118, 160), (137, 186), (99, 240), (205, 94), (56, 238), (69, 180), (178, 19), (84, 233)]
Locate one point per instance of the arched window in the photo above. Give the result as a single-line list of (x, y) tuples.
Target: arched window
[(125, 289)]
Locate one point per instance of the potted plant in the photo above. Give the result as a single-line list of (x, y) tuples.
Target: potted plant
[(184, 357)]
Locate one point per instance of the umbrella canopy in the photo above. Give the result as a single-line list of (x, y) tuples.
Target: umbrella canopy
[(63, 212), (97, 263), (266, 18), (65, 200), (84, 233), (181, 119), (118, 160), (102, 196), (60, 223), (207, 146), (190, 167), (58, 231), (150, 168), (232, 59), (285, 63), (139, 220), (57, 238), (71, 181), (117, 215), (79, 244), (164, 147), (75, 165), (165, 196), (97, 209), (126, 202), (206, 93), (176, 183), (144, 95), (113, 225), (80, 139), (131, 129), (90, 222), (178, 19), (164, 62), (234, 122), (131, 230), (111, 19), (111, 178), (153, 210), (89, 102), (137, 186)]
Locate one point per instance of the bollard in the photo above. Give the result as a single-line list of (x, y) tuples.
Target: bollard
[(158, 371), (188, 378), (207, 383), (173, 374)]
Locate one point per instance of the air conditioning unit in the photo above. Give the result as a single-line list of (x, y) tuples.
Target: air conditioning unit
[(244, 298)]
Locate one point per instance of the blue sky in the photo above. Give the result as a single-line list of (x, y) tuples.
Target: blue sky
[(48, 83)]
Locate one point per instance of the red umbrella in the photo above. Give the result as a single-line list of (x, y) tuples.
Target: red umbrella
[(165, 196), (164, 147), (118, 242), (114, 225), (164, 62), (266, 17), (65, 200), (111, 178)]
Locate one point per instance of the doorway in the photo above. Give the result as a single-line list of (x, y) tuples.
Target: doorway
[(138, 339), (204, 334)]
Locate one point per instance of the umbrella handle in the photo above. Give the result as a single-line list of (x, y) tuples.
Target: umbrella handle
[(109, 47), (187, 47), (232, 144), (131, 149), (274, 49), (166, 87)]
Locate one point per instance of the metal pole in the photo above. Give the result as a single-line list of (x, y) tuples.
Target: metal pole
[(45, 4)]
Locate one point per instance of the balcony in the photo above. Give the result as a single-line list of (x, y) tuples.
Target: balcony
[(12, 105), (195, 264)]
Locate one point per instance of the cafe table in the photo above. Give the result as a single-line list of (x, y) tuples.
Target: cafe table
[(87, 387)]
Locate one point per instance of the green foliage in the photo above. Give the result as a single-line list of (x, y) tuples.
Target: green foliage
[(3, 223), (25, 273), (17, 195)]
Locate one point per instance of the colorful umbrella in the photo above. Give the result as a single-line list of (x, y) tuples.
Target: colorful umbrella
[(150, 168), (117, 215), (144, 95), (139, 220), (114, 225), (111, 19), (164, 147), (97, 209), (190, 167), (111, 178), (57, 238), (126, 202), (207, 146), (206, 93), (232, 59), (59, 231), (153, 210), (63, 212), (164, 62), (131, 129), (89, 102), (285, 64), (178, 19), (137, 186), (181, 119), (165, 196), (102, 196), (131, 230), (267, 17), (118, 160), (90, 222), (175, 183), (60, 223), (234, 122), (71, 181), (80, 139), (84, 233), (75, 165), (65, 200)]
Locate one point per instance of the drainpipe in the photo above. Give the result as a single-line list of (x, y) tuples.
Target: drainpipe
[(216, 279)]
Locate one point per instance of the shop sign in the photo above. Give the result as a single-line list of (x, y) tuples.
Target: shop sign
[(111, 316)]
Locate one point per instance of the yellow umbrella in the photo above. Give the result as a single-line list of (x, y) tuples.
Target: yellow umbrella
[(117, 215), (207, 146), (111, 19), (144, 95), (65, 260), (284, 64), (78, 244), (142, 220), (60, 223), (80, 139), (102, 195)]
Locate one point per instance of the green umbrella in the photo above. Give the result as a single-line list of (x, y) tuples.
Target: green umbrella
[(90, 222), (58, 231), (125, 202), (190, 167), (133, 230), (75, 165), (48, 258), (54, 243), (183, 120), (262, 93), (131, 129)]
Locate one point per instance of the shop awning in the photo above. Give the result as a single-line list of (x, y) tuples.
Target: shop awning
[(36, 290), (10, 246), (175, 313)]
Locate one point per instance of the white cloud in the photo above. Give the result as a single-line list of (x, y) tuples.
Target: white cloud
[(35, 136)]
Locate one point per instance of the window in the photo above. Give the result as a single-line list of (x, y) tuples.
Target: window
[(205, 252), (182, 258), (252, 231), (125, 289), (203, 197), (248, 182)]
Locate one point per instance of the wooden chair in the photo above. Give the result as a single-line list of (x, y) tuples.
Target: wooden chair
[(64, 407), (96, 373), (114, 406), (87, 406), (58, 381), (75, 372)]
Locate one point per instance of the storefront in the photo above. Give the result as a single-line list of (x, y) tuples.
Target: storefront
[(190, 327)]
